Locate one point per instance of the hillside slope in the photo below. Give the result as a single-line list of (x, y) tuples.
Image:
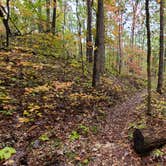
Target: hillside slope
[(50, 114)]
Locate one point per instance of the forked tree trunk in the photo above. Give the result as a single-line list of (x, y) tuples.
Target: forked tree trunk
[(6, 20)]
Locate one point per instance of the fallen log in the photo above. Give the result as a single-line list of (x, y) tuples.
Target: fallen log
[(144, 148)]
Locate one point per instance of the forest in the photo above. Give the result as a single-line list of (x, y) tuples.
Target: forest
[(82, 83)]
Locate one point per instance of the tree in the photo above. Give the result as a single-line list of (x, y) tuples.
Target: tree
[(135, 7), (53, 29), (165, 60), (161, 51), (142, 147), (89, 45), (98, 66), (148, 55), (5, 20), (120, 32), (48, 15), (79, 35), (40, 27)]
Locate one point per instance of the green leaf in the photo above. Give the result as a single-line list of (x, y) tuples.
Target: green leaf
[(6, 153), (74, 135), (86, 161), (84, 129), (158, 153), (44, 137)]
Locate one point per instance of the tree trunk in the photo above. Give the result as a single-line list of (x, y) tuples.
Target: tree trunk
[(48, 15), (144, 148), (53, 29), (89, 44), (148, 56), (79, 36), (120, 42), (40, 19), (6, 20), (135, 6), (98, 67), (161, 52), (165, 60), (101, 36)]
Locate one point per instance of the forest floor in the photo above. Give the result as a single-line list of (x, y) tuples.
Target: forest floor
[(51, 116)]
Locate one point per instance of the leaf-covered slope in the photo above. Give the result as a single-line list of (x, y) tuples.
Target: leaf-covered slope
[(48, 109)]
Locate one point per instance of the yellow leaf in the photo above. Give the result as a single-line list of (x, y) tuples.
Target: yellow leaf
[(23, 120)]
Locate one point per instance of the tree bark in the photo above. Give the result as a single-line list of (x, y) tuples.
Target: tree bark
[(148, 56), (48, 15), (53, 29), (40, 29), (79, 36), (144, 148), (98, 66), (120, 42), (161, 51), (135, 6), (6, 20), (101, 36), (89, 45), (165, 60)]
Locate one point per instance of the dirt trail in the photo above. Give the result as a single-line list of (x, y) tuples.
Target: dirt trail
[(118, 118), (117, 150)]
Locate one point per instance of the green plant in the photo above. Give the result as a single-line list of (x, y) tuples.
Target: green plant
[(74, 136), (158, 153), (7, 112), (70, 155), (85, 161), (57, 142), (6, 153), (139, 125), (44, 137), (130, 135), (94, 129), (84, 129)]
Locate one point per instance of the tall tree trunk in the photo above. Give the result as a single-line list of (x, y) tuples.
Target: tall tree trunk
[(148, 56), (64, 21), (101, 36), (143, 40), (40, 19), (53, 29), (165, 60), (79, 36), (161, 52), (89, 45), (120, 42), (99, 45), (48, 15), (6, 20), (135, 6)]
